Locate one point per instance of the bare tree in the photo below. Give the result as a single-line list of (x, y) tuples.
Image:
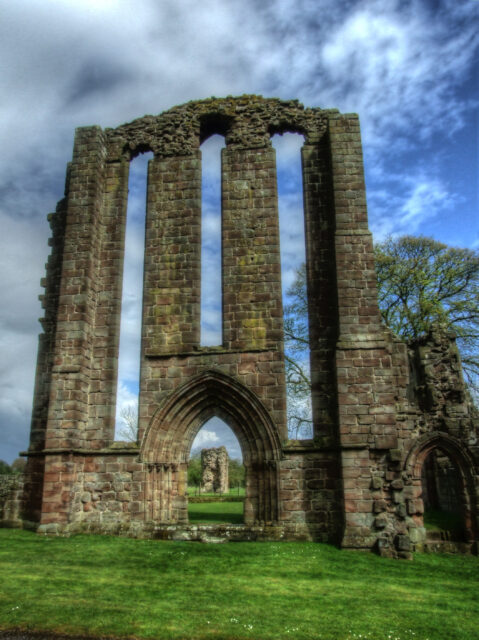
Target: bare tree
[(298, 383), (129, 423)]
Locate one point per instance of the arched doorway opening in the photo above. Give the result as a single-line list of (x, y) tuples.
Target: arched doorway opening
[(216, 476), (443, 488), (169, 438), (443, 497)]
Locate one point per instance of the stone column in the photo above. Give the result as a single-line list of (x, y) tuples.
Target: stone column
[(364, 367), (252, 306), (77, 298), (172, 276), (321, 285), (109, 279), (46, 342)]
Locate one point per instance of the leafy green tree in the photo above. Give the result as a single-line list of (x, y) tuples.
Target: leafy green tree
[(194, 470), (236, 473), (5, 468), (18, 465), (423, 283)]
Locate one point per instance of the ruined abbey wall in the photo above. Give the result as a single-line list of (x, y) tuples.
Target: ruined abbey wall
[(214, 470), (379, 407)]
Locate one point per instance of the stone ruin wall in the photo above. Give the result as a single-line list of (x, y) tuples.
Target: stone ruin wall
[(11, 499), (379, 406), (214, 470)]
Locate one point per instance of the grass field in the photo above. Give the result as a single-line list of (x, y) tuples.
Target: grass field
[(103, 586), (215, 512)]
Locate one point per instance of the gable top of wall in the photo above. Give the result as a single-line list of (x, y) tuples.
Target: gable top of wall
[(246, 122)]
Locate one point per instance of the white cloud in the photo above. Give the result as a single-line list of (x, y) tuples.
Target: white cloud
[(422, 199), (205, 438), (216, 433), (396, 64)]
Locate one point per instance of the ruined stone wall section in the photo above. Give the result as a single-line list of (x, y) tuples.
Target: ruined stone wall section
[(446, 420), (46, 346), (252, 306), (172, 280), (367, 381), (310, 493), (68, 423), (11, 499), (247, 122), (108, 282), (321, 286), (440, 388), (214, 470), (104, 493)]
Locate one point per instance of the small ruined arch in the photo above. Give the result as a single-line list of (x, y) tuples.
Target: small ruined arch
[(168, 439), (214, 122), (461, 467), (132, 152)]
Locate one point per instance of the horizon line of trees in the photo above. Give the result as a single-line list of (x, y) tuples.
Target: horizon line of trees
[(17, 467)]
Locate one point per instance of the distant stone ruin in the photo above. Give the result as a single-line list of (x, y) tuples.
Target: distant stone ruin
[(380, 407), (214, 470)]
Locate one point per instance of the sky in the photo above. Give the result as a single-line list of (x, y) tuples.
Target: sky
[(409, 68)]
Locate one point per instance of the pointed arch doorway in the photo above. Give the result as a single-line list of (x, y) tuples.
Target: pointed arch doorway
[(440, 468), (168, 439)]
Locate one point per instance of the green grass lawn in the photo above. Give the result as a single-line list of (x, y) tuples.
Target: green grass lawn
[(102, 586), (215, 512)]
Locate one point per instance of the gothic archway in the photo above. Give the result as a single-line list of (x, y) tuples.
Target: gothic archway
[(168, 440), (457, 484)]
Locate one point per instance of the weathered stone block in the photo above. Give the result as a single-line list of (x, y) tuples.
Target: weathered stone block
[(379, 506)]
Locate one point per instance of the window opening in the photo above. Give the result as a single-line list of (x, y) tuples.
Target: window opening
[(216, 476), (211, 290), (126, 423), (293, 277)]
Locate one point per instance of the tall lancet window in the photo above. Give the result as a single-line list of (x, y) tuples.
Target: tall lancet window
[(131, 302), (211, 293)]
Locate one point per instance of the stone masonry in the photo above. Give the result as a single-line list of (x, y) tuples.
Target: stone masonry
[(379, 406), (214, 470)]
